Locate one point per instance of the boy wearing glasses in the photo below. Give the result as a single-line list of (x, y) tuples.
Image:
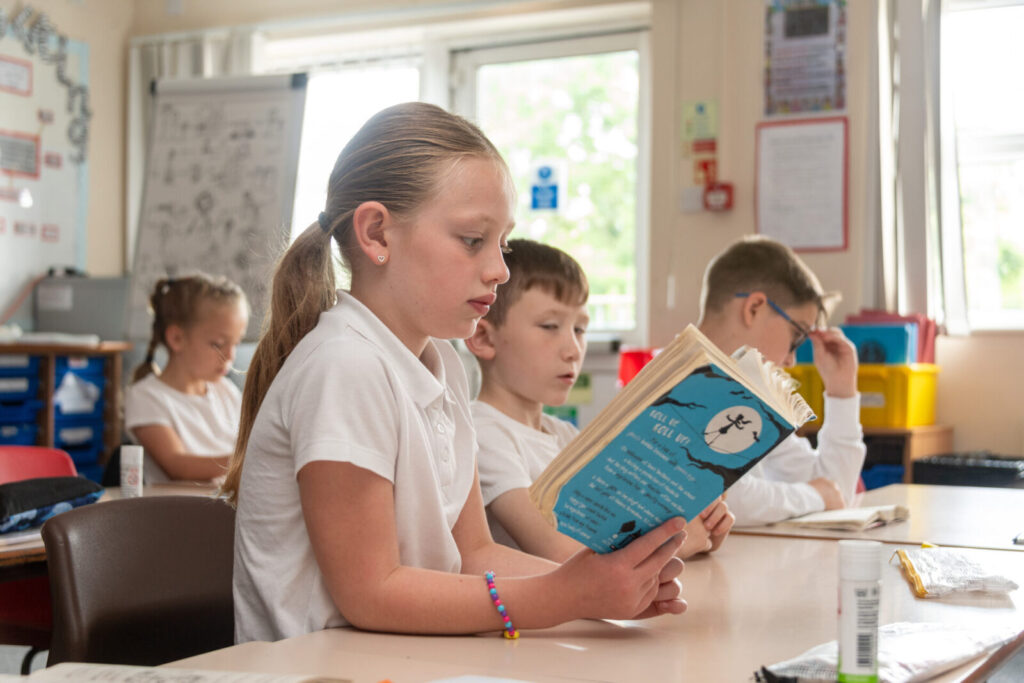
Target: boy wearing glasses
[(759, 293)]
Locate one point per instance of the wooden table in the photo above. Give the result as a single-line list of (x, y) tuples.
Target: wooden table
[(28, 558), (958, 516), (758, 601)]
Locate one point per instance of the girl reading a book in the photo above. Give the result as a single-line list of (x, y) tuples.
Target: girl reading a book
[(354, 473)]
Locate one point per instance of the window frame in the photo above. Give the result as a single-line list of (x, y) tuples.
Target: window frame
[(462, 81), (444, 48), (955, 150)]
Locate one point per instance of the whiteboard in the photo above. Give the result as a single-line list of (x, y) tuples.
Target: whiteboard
[(44, 168), (219, 186)]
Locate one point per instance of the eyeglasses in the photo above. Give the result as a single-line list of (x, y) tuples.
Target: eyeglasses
[(802, 332)]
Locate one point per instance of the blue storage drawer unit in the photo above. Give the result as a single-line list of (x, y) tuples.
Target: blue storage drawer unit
[(18, 434), (87, 365), (93, 471), (79, 386), (18, 365), (18, 388), (78, 433), (95, 412), (20, 411), (85, 455), (877, 476)]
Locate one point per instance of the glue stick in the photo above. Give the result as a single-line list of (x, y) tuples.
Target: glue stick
[(860, 587)]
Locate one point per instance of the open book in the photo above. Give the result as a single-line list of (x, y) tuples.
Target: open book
[(690, 424), (851, 519)]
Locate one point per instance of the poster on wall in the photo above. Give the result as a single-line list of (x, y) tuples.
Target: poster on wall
[(801, 182), (44, 122), (805, 56)]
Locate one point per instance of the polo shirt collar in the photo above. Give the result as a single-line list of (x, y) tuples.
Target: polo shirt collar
[(424, 380)]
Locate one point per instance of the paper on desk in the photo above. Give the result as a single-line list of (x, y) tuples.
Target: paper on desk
[(851, 519), (906, 652), (117, 673), (15, 538)]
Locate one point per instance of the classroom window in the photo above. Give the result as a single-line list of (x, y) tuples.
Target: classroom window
[(982, 52), (331, 118), (574, 106)]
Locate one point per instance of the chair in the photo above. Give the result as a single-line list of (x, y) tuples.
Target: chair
[(25, 617), (141, 580)]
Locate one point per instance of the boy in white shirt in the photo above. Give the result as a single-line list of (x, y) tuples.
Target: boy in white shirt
[(758, 293), (530, 347)]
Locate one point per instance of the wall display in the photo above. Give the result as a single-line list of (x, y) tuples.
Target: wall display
[(801, 182), (805, 56), (219, 186), (44, 133)]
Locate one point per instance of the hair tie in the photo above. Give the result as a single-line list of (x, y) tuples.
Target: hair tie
[(324, 223)]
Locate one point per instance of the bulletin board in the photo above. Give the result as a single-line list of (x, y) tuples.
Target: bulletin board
[(44, 131), (219, 186), (805, 56)]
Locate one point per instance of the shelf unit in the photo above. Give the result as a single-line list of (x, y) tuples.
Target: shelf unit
[(902, 445), (112, 414)]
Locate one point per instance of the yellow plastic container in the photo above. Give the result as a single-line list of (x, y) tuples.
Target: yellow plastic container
[(897, 395), (811, 389)]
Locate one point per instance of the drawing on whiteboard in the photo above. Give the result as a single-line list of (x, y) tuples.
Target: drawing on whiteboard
[(218, 193)]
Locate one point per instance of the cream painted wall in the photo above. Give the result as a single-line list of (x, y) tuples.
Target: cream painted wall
[(981, 391), (700, 49), (104, 25), (714, 50)]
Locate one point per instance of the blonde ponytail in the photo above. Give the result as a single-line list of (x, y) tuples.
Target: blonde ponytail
[(303, 288)]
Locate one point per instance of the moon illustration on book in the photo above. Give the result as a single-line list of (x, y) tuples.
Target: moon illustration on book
[(733, 430)]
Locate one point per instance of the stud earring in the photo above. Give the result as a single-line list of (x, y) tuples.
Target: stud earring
[(381, 258)]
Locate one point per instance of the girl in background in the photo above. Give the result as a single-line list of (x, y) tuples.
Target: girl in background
[(186, 416), (354, 473)]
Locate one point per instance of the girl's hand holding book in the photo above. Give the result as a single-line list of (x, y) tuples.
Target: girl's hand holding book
[(635, 582)]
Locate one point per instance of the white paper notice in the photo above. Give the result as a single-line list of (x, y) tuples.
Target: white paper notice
[(801, 182)]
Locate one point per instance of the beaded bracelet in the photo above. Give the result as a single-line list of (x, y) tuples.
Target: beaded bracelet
[(510, 631)]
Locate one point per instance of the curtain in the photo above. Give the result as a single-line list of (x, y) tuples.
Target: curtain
[(916, 241), (208, 54)]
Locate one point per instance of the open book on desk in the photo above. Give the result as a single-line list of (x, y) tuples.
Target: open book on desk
[(689, 425), (850, 519)]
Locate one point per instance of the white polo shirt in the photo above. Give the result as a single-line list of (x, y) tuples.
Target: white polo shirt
[(207, 425), (512, 455), (350, 392)]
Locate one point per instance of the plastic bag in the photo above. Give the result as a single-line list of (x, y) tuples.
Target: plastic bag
[(907, 652), (935, 572)]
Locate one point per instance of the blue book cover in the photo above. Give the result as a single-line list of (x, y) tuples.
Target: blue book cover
[(682, 451)]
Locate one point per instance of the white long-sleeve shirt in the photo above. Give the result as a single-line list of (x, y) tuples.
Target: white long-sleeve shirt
[(776, 488)]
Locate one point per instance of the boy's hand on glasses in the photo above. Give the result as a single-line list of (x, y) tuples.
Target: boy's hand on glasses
[(836, 359)]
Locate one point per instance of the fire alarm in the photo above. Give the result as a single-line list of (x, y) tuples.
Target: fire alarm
[(718, 196)]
